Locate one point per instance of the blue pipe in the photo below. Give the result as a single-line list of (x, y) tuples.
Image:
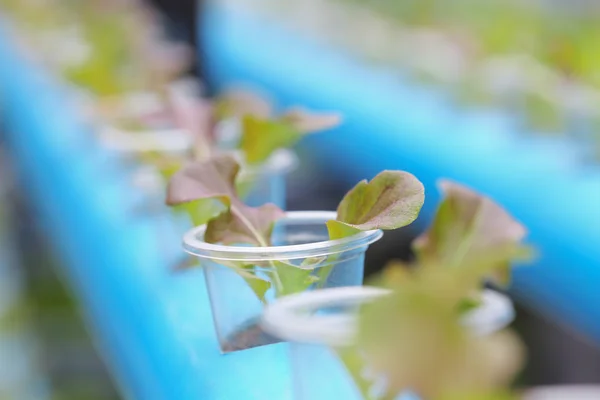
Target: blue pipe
[(153, 326)]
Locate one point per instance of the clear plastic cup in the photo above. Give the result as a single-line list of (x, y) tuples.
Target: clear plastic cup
[(301, 241), (322, 324)]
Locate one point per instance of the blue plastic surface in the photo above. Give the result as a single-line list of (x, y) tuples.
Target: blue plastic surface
[(391, 123), (153, 326)]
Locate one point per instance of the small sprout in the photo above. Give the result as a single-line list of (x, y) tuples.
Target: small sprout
[(260, 137), (215, 180), (207, 192), (414, 338), (391, 200), (261, 131)]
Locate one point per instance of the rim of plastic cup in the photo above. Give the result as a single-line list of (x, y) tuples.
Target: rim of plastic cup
[(163, 140), (282, 320), (193, 242), (288, 318), (563, 392)]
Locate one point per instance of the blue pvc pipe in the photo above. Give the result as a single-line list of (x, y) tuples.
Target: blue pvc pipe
[(153, 326)]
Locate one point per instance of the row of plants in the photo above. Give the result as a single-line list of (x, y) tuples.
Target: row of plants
[(431, 329), (536, 61)]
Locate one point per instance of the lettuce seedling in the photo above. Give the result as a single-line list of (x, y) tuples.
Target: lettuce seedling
[(474, 238), (413, 338), (261, 130), (471, 229), (214, 180), (207, 192), (261, 137)]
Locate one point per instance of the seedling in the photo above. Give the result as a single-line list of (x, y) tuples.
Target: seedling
[(259, 130), (412, 339), (207, 191)]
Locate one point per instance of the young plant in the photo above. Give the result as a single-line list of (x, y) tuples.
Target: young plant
[(207, 191), (261, 131), (413, 338), (471, 229)]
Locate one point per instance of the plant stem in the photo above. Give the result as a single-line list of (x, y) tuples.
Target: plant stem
[(261, 240), (463, 248)]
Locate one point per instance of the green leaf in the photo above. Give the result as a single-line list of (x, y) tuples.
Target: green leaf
[(258, 285), (355, 365), (339, 230), (202, 211), (293, 278), (239, 103), (261, 137), (470, 229), (261, 132), (414, 337), (312, 262), (215, 180), (467, 304), (391, 200)]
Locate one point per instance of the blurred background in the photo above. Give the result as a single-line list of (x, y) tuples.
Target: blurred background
[(536, 61)]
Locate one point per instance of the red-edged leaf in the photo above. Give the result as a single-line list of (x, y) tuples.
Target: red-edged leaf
[(215, 179), (391, 200)]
